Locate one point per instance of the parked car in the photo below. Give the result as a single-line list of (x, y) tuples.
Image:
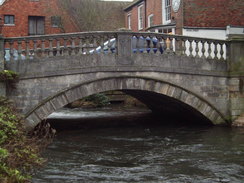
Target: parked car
[(107, 46), (138, 44)]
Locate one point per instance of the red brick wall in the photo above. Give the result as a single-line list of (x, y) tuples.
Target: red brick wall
[(21, 9), (195, 13), (177, 17), (134, 18), (213, 13), (154, 7)]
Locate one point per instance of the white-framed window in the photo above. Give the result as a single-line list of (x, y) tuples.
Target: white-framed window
[(150, 20), (129, 21), (140, 17), (166, 11), (8, 19)]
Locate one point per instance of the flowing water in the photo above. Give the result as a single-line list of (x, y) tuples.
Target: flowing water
[(145, 153)]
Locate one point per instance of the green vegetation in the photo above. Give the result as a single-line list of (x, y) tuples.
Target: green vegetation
[(99, 100), (96, 100), (9, 77), (19, 154)]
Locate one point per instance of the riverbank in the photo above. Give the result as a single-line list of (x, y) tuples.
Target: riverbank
[(19, 152)]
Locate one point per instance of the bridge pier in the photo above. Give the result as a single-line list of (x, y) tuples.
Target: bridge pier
[(236, 79), (2, 66)]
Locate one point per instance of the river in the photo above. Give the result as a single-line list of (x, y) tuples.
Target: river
[(143, 153)]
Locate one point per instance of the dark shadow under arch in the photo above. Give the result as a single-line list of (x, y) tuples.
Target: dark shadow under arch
[(167, 90)]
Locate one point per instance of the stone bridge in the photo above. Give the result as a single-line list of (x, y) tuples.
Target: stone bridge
[(174, 75)]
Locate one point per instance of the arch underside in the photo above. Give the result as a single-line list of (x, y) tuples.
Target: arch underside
[(131, 85)]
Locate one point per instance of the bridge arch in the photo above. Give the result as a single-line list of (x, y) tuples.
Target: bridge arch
[(128, 83)]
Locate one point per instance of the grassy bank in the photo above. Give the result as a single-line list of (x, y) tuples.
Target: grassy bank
[(19, 153)]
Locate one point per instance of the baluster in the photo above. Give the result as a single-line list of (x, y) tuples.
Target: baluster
[(167, 45), (183, 47), (209, 50), (161, 45), (197, 48), (177, 46), (94, 39), (72, 45), (190, 48), (27, 49), (113, 44), (102, 39), (203, 49), (65, 50), (227, 53), (11, 51), (110, 45), (171, 45), (58, 47), (134, 44), (140, 44), (43, 48), (221, 51), (81, 40), (35, 48), (51, 48), (148, 44), (215, 50), (19, 50), (85, 45)]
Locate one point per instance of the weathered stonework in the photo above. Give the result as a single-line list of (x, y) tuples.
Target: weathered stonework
[(194, 83)]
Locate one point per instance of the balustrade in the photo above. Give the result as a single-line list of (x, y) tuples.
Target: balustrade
[(45, 46)]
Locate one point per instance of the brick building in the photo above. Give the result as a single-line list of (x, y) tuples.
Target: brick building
[(34, 17), (203, 18)]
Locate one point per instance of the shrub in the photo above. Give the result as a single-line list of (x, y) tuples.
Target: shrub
[(99, 100), (19, 154), (9, 77)]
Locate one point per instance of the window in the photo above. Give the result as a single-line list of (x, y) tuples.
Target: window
[(140, 17), (166, 11), (36, 25), (9, 19), (56, 21), (129, 21), (150, 20)]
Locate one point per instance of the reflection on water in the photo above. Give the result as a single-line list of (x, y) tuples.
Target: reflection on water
[(145, 154)]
